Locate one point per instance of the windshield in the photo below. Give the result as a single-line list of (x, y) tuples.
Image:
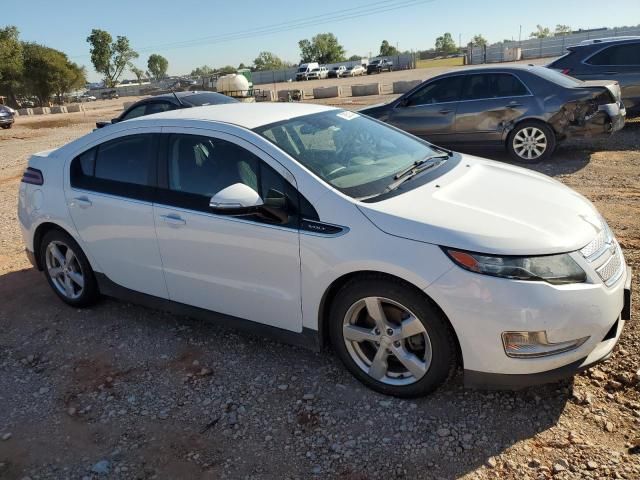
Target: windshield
[(351, 152), (302, 69), (375, 62)]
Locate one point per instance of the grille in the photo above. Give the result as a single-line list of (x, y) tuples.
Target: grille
[(610, 271), (598, 245)]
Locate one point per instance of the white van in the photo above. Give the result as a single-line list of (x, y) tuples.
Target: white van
[(304, 69)]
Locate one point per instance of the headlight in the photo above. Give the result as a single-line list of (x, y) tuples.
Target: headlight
[(535, 344), (554, 269)]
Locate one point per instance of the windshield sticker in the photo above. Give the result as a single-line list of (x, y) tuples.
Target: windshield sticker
[(347, 115)]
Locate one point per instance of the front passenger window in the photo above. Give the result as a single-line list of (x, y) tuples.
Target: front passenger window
[(440, 91)]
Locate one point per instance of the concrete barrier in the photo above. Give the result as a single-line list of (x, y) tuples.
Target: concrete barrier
[(25, 111), (59, 109), (41, 111), (327, 92), (265, 96), (76, 107), (283, 95), (405, 85), (368, 89)]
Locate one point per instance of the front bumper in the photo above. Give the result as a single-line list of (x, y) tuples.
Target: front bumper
[(6, 120)]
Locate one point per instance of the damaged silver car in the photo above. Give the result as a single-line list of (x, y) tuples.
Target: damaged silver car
[(528, 109)]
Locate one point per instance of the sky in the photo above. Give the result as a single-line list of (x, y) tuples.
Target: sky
[(192, 33)]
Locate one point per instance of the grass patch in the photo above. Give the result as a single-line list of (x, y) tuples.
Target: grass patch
[(440, 62)]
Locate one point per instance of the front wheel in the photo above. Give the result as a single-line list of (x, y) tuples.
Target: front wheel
[(531, 142), (391, 337), (5, 127), (67, 269)]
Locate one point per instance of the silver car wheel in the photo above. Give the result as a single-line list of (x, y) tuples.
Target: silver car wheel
[(387, 341), (530, 143), (64, 269)]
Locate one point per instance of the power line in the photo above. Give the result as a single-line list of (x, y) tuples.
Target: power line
[(340, 15)]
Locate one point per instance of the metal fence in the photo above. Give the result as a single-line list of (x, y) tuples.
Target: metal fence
[(545, 47)]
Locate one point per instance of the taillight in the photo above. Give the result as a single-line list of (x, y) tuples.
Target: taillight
[(33, 176), (566, 71)]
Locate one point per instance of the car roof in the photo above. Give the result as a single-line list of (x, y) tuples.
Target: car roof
[(246, 115), (604, 41)]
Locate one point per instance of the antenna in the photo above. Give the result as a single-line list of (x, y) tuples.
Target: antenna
[(177, 98)]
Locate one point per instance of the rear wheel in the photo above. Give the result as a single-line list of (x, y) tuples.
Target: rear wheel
[(67, 269), (531, 142), (391, 338)]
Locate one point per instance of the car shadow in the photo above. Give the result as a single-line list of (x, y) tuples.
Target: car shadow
[(450, 433)]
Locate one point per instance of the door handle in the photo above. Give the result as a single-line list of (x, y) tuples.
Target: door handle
[(173, 220), (444, 111), (82, 202)]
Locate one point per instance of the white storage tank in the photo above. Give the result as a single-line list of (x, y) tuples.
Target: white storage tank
[(233, 85)]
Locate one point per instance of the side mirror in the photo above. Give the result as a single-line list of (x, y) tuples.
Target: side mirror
[(403, 102), (236, 199)]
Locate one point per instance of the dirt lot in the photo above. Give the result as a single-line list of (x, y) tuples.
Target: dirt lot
[(119, 391)]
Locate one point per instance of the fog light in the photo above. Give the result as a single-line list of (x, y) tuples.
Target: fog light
[(535, 344)]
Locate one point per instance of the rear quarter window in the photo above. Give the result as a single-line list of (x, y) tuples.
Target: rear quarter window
[(628, 54)]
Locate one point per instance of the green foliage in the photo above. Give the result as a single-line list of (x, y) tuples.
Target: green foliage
[(138, 72), (11, 62), (562, 30), (268, 61), (110, 58), (445, 44), (202, 71), (226, 70), (541, 32), (353, 58), (322, 48), (48, 71), (387, 50), (479, 41), (158, 66), (241, 66)]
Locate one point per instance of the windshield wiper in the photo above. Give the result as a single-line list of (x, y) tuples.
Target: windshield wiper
[(414, 169)]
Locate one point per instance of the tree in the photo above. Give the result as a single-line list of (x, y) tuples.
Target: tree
[(541, 32), (11, 62), (48, 71), (158, 66), (202, 71), (241, 66), (479, 41), (226, 70), (445, 44), (353, 58), (110, 58), (268, 61), (387, 50), (138, 72), (562, 30), (322, 48)]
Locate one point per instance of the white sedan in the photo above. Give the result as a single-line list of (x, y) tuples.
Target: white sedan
[(354, 71), (319, 225)]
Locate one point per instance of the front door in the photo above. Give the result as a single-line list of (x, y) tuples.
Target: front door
[(110, 195), (490, 103), (246, 267), (429, 112)]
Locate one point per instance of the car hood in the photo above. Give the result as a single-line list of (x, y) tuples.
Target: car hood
[(489, 207)]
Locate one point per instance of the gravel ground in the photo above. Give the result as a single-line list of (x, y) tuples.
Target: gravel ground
[(122, 392)]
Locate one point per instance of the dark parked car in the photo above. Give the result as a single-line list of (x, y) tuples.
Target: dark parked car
[(6, 116), (378, 66), (169, 101), (608, 58), (526, 108)]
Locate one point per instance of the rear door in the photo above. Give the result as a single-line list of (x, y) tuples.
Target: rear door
[(617, 62), (430, 111), (110, 198), (488, 104)]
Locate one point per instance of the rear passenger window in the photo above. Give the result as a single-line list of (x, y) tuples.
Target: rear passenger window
[(123, 167), (136, 112), (618, 55), (158, 107), (492, 85)]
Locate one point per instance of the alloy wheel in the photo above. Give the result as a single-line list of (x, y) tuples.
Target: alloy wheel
[(64, 269), (530, 143), (387, 341)]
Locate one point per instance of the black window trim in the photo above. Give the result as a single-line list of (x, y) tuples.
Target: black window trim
[(585, 61), (466, 74)]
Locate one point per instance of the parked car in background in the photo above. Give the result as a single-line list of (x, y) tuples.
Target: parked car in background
[(355, 71), (528, 109), (316, 224), (109, 95), (608, 58), (318, 73), (337, 72), (87, 97), (378, 66), (168, 101), (7, 116), (304, 69)]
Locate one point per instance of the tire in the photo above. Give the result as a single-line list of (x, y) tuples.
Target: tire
[(5, 127), (424, 338), (541, 137), (75, 282)]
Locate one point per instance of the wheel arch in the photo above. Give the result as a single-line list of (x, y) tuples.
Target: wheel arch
[(338, 283), (507, 131)]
